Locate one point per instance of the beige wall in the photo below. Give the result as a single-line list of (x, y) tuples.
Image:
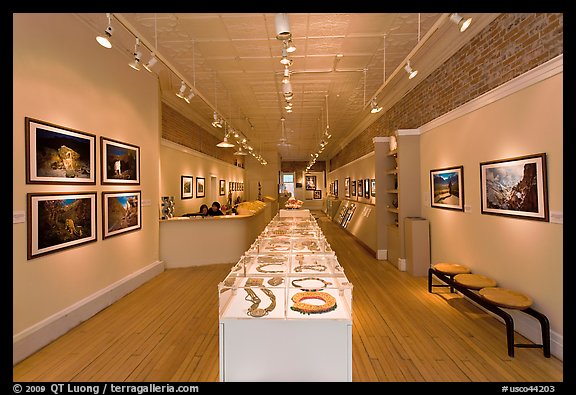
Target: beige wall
[(524, 255), (177, 161), (64, 77)]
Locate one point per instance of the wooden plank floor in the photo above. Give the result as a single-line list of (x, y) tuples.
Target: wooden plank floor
[(167, 331)]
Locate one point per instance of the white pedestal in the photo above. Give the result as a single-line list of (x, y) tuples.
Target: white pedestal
[(285, 350)]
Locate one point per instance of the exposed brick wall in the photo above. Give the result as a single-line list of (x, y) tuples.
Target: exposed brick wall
[(511, 45), (296, 166), (181, 130)]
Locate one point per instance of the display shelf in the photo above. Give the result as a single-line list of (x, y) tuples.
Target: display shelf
[(402, 191)]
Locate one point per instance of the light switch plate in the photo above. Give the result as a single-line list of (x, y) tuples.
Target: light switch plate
[(18, 217), (556, 217)]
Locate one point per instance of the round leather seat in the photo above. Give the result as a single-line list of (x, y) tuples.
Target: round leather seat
[(474, 281), (451, 269), (506, 298)]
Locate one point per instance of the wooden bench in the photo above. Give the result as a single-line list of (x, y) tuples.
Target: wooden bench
[(483, 291)]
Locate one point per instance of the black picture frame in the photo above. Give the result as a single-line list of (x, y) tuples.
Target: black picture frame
[(121, 212), (447, 188), (515, 187), (59, 155), (353, 187), (120, 162), (367, 188), (318, 194), (310, 183), (186, 187), (200, 187), (347, 187), (222, 188), (360, 188), (373, 187), (58, 221)]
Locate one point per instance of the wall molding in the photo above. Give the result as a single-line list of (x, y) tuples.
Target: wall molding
[(44, 332), (537, 74)]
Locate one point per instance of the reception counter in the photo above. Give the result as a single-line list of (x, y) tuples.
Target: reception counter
[(197, 241)]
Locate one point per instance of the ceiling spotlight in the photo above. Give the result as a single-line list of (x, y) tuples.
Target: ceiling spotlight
[(286, 77), (411, 73), (375, 107), (285, 61), (282, 27), (216, 122), (135, 64), (104, 39), (287, 91), (460, 21), (151, 62), (190, 96), (180, 93), (290, 47)]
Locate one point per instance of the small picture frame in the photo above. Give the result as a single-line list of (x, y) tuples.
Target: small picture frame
[(120, 162), (222, 187), (59, 155), (310, 183), (367, 188), (336, 188), (360, 188), (186, 187), (353, 188), (57, 221), (515, 187), (318, 194), (231, 186), (200, 187), (347, 187), (121, 212), (373, 187), (447, 188)]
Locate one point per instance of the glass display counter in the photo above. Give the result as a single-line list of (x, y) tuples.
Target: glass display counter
[(285, 310)]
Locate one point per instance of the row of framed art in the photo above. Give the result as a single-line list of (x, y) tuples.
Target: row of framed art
[(515, 187), (61, 220), (59, 155), (363, 188), (186, 189)]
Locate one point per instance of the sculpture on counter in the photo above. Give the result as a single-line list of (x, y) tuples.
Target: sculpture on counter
[(167, 207), (293, 203)]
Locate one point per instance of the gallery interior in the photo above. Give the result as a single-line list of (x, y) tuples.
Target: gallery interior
[(383, 192)]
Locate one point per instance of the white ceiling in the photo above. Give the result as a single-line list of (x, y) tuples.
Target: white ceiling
[(232, 62)]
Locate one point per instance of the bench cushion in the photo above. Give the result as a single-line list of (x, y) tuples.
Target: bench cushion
[(474, 281), (506, 298)]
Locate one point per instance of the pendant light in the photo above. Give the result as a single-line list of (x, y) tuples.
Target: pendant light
[(104, 39)]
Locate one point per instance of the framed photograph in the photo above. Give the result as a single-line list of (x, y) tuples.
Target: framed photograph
[(347, 187), (310, 183), (120, 162), (447, 188), (200, 191), (59, 155), (230, 186), (331, 188), (353, 188), (121, 212), (60, 220), (318, 194), (222, 187), (373, 187), (367, 188), (336, 188), (360, 188), (515, 187), (186, 187)]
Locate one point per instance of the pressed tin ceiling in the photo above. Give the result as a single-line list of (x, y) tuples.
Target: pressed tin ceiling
[(233, 62)]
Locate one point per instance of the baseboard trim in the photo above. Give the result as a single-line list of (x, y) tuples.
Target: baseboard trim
[(39, 335)]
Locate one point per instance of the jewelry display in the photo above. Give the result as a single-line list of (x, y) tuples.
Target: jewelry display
[(324, 282), (306, 308), (274, 281), (260, 267), (315, 267), (255, 310), (229, 281), (310, 245), (254, 282), (271, 259)]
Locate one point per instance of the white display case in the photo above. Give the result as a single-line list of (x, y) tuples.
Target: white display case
[(285, 309)]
